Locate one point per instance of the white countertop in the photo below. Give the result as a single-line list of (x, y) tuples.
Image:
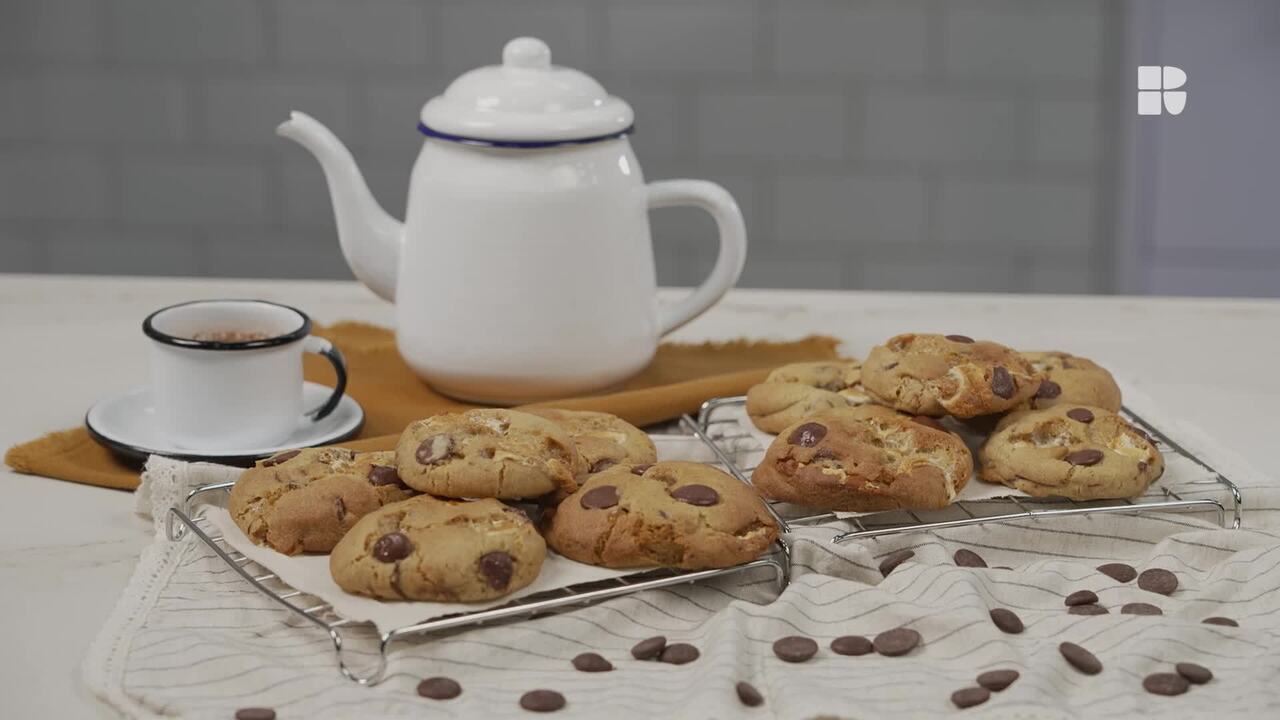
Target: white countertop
[(67, 550)]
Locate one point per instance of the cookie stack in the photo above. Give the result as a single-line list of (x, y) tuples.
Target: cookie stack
[(867, 436), (430, 521)]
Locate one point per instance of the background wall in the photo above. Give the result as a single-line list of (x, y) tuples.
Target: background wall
[(1202, 216), (905, 144)]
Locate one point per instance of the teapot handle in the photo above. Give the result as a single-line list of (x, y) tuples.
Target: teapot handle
[(733, 244)]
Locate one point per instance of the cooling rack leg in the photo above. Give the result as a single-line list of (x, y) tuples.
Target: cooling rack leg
[(349, 672), (172, 530), (782, 568)]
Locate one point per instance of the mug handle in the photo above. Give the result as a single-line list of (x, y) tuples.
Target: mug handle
[(320, 346), (733, 244)]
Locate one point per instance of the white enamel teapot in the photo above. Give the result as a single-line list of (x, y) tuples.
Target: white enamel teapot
[(524, 268)]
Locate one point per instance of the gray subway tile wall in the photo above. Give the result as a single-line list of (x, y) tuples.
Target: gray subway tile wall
[(913, 144)]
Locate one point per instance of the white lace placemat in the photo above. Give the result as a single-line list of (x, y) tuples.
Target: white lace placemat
[(190, 639)]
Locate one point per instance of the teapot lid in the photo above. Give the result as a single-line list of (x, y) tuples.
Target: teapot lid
[(525, 102)]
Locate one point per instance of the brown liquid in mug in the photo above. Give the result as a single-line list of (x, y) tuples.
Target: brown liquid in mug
[(229, 336)]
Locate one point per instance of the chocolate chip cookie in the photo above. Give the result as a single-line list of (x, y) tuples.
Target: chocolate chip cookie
[(1074, 380), (1073, 451), (955, 375), (488, 453), (864, 459), (602, 439), (670, 514), (304, 500), (426, 548), (793, 392)]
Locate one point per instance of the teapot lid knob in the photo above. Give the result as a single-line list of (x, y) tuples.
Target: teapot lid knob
[(527, 52)]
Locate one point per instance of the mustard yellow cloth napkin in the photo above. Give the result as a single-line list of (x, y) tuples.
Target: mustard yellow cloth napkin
[(680, 378)]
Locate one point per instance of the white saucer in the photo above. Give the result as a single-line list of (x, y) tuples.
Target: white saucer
[(125, 424)]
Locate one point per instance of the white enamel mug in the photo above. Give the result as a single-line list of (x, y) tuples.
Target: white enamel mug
[(221, 394)]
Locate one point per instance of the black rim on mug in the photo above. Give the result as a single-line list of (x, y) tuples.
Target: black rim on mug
[(148, 327)]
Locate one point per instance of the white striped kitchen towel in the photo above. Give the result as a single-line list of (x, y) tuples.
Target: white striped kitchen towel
[(190, 639)]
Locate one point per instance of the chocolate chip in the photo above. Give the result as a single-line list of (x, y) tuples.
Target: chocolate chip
[(968, 558), (591, 662), (1158, 580), (808, 434), (599, 497), (795, 648), (1002, 383), (649, 648), (1197, 674), (970, 696), (1142, 466), (929, 422), (851, 645), (997, 680), (898, 641), (1092, 609), (1048, 390), (1080, 659), (1082, 597), (1084, 457), (640, 469), (271, 462), (382, 475), (255, 713), (890, 366), (679, 654), (434, 450), (1080, 415), (699, 495), (602, 464), (1007, 620), (1140, 608), (392, 547), (748, 694), (826, 454), (439, 688), (959, 338), (890, 563), (339, 509), (496, 567), (1120, 572), (1165, 684), (542, 701), (1220, 621)]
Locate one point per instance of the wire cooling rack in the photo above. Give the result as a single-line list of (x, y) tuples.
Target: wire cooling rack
[(735, 449), (310, 610), (730, 444)]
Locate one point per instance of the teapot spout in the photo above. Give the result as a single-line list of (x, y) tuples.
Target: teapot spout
[(370, 238)]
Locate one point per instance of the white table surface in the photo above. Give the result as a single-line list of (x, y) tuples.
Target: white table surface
[(67, 550)]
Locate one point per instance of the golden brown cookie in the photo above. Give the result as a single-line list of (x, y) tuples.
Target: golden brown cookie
[(602, 439), (669, 514), (1073, 451), (488, 453), (305, 500), (793, 392), (1074, 380), (865, 459), (940, 375), (426, 548)]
